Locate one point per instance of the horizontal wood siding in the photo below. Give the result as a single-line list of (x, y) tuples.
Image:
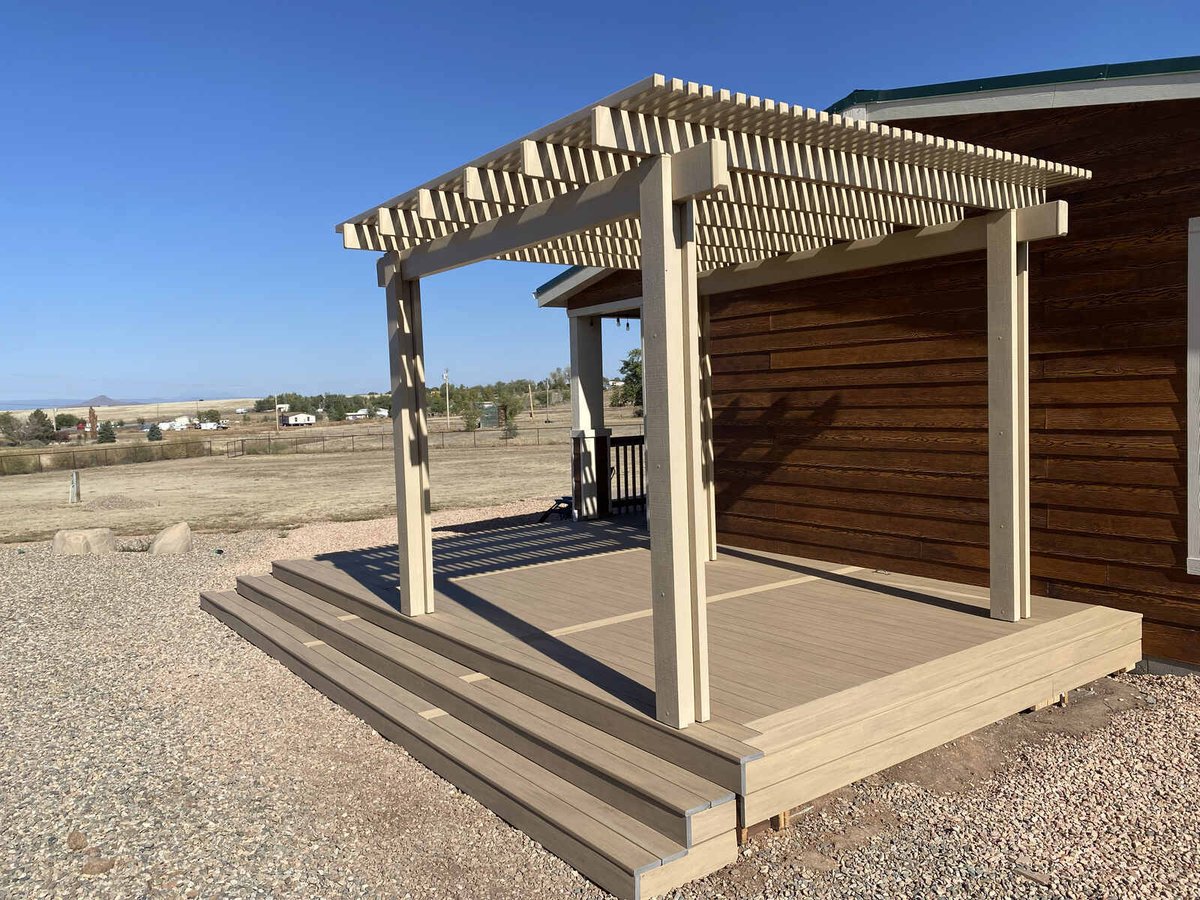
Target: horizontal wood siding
[(850, 412)]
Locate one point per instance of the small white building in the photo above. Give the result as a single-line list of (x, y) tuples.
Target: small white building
[(241, 411), (299, 419), (358, 415)]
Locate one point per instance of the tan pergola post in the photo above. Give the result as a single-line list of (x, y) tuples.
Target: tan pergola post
[(678, 512), (590, 462), (707, 456), (1008, 418), (410, 441)]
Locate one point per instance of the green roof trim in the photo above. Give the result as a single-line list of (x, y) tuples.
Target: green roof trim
[(1172, 66), (557, 279)]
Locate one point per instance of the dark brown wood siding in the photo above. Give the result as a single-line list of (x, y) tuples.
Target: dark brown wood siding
[(851, 411)]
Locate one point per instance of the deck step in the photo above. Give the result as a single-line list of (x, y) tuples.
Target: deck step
[(623, 853), (714, 751), (679, 804)]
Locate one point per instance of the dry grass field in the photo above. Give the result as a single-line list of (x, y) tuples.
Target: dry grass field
[(152, 412), (220, 494)]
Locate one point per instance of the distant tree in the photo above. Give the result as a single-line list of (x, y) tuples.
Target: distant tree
[(66, 420), (120, 423), (210, 415), (468, 407), (10, 427), (510, 427), (37, 428), (155, 433), (106, 434), (630, 393), (93, 425), (141, 420)]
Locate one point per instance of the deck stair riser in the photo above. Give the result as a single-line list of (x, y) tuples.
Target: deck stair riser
[(675, 802), (617, 851), (723, 765)]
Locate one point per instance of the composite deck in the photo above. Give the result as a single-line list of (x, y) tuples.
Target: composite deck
[(539, 654)]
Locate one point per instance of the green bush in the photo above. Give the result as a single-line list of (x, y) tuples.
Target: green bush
[(155, 433), (106, 434)]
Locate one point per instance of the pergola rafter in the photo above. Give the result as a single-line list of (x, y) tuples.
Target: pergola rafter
[(707, 191)]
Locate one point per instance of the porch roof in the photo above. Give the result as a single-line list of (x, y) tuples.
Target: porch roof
[(769, 179)]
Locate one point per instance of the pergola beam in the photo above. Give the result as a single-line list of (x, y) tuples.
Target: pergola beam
[(697, 172), (1033, 224)]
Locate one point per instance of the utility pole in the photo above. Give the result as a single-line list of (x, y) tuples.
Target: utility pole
[(275, 397), (529, 384), (446, 386)]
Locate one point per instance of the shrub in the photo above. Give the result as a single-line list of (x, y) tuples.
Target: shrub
[(155, 433), (106, 434)]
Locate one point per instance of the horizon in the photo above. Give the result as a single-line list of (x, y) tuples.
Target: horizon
[(170, 207)]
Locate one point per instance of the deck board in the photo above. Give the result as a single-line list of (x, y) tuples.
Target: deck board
[(872, 660)]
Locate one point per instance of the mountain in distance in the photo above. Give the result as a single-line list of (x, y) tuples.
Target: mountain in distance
[(100, 400), (105, 400)]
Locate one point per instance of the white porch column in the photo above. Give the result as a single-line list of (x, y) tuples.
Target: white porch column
[(410, 442), (589, 436), (1008, 418), (678, 517)]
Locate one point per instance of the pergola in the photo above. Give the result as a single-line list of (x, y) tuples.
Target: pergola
[(707, 191)]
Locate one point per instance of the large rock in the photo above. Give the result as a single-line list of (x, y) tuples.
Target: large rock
[(173, 539), (82, 541)]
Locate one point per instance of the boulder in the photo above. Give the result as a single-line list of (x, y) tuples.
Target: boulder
[(82, 541), (173, 539)]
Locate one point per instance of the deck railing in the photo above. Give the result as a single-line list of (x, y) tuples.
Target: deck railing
[(627, 463)]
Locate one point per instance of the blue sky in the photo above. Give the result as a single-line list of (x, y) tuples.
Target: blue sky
[(170, 174)]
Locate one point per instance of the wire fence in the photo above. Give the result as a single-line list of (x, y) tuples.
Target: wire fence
[(98, 455)]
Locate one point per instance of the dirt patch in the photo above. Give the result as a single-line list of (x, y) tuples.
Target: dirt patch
[(272, 492), (114, 501)]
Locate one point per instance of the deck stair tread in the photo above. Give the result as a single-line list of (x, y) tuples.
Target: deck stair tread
[(606, 844), (615, 766), (721, 749)]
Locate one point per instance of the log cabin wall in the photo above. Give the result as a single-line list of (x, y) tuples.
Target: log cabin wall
[(851, 412)]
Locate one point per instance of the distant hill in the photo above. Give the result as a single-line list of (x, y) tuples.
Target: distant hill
[(105, 400)]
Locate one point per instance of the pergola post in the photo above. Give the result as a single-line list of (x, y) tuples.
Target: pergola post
[(589, 437), (1008, 418), (708, 456), (410, 442), (678, 515)]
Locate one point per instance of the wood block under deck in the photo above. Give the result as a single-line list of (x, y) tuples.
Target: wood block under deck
[(821, 674)]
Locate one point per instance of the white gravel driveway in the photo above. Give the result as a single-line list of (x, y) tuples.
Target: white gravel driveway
[(145, 750)]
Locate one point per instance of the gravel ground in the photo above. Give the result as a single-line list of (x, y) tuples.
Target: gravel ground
[(145, 750)]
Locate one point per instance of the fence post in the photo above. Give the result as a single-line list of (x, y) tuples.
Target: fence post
[(351, 443), (74, 462)]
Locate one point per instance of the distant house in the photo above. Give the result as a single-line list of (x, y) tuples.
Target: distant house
[(180, 423), (283, 407), (358, 415), (241, 411), (299, 419)]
